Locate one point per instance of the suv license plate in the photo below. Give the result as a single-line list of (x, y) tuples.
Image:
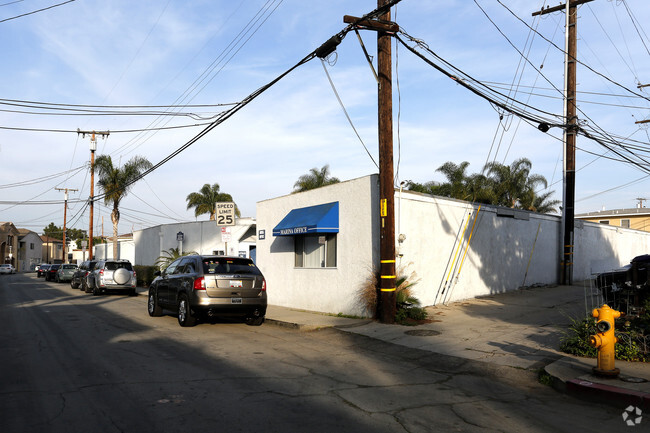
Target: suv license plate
[(235, 300), (235, 283)]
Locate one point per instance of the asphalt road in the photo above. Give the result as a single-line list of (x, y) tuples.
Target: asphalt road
[(72, 362)]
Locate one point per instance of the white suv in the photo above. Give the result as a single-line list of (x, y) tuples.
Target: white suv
[(113, 275)]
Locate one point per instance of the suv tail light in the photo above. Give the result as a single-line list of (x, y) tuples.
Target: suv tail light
[(199, 284), (263, 285)]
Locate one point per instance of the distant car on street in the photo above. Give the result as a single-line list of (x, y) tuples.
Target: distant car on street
[(80, 277), (112, 275), (50, 275), (7, 269), (65, 273), (42, 270)]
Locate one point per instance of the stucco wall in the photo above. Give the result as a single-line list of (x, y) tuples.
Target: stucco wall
[(437, 233), (322, 289), (125, 250), (203, 237), (602, 247), (508, 249)]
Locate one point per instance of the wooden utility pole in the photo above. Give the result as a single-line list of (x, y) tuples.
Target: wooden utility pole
[(93, 148), (65, 218), (387, 300), (386, 305), (570, 132)]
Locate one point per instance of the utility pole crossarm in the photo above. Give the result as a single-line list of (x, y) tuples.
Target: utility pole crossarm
[(557, 8), (379, 25)]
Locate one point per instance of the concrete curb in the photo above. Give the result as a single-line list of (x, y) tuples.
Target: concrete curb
[(608, 394)]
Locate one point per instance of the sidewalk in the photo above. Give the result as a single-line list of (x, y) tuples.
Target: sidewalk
[(520, 329)]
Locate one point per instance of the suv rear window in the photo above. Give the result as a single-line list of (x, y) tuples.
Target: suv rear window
[(229, 266), (69, 266), (112, 266)]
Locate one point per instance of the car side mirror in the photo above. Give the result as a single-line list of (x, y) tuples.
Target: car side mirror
[(156, 273)]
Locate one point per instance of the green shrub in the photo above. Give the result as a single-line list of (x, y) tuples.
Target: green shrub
[(144, 274), (575, 340)]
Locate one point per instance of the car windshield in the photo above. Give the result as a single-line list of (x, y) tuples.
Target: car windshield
[(229, 266), (113, 266)]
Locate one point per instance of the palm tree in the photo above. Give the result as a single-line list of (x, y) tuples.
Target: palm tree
[(115, 182), (456, 185), (169, 256), (502, 185), (205, 201), (515, 185), (315, 179)]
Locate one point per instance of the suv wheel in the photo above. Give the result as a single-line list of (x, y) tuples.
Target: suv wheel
[(153, 308), (84, 286), (96, 290), (254, 320), (185, 317), (73, 284)]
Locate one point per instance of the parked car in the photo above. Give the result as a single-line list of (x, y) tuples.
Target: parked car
[(50, 275), (80, 277), (42, 270), (113, 275), (65, 273), (197, 286), (7, 269), (627, 289)]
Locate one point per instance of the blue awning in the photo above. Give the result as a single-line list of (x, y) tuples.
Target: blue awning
[(323, 218)]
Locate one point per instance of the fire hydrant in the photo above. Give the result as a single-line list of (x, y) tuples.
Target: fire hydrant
[(605, 340)]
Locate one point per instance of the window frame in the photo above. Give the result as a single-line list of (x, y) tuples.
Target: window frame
[(328, 255)]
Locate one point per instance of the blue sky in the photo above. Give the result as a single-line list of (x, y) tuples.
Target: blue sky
[(170, 52)]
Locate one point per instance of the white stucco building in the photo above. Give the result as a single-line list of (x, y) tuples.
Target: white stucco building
[(203, 237), (30, 248), (318, 248)]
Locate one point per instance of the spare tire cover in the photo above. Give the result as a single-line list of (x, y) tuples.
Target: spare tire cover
[(121, 276)]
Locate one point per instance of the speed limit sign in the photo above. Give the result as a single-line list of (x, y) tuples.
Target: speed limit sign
[(225, 214)]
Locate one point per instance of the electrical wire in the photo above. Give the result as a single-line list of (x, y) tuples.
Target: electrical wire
[(229, 113), (118, 131), (36, 11), (338, 98), (42, 179), (577, 60), (191, 92)]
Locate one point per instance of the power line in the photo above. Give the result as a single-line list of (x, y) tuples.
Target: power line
[(229, 113), (42, 179), (36, 11), (574, 59), (118, 131)]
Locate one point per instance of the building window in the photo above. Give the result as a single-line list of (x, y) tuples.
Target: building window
[(625, 223), (218, 252), (59, 247), (31, 246), (604, 221), (315, 251)]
